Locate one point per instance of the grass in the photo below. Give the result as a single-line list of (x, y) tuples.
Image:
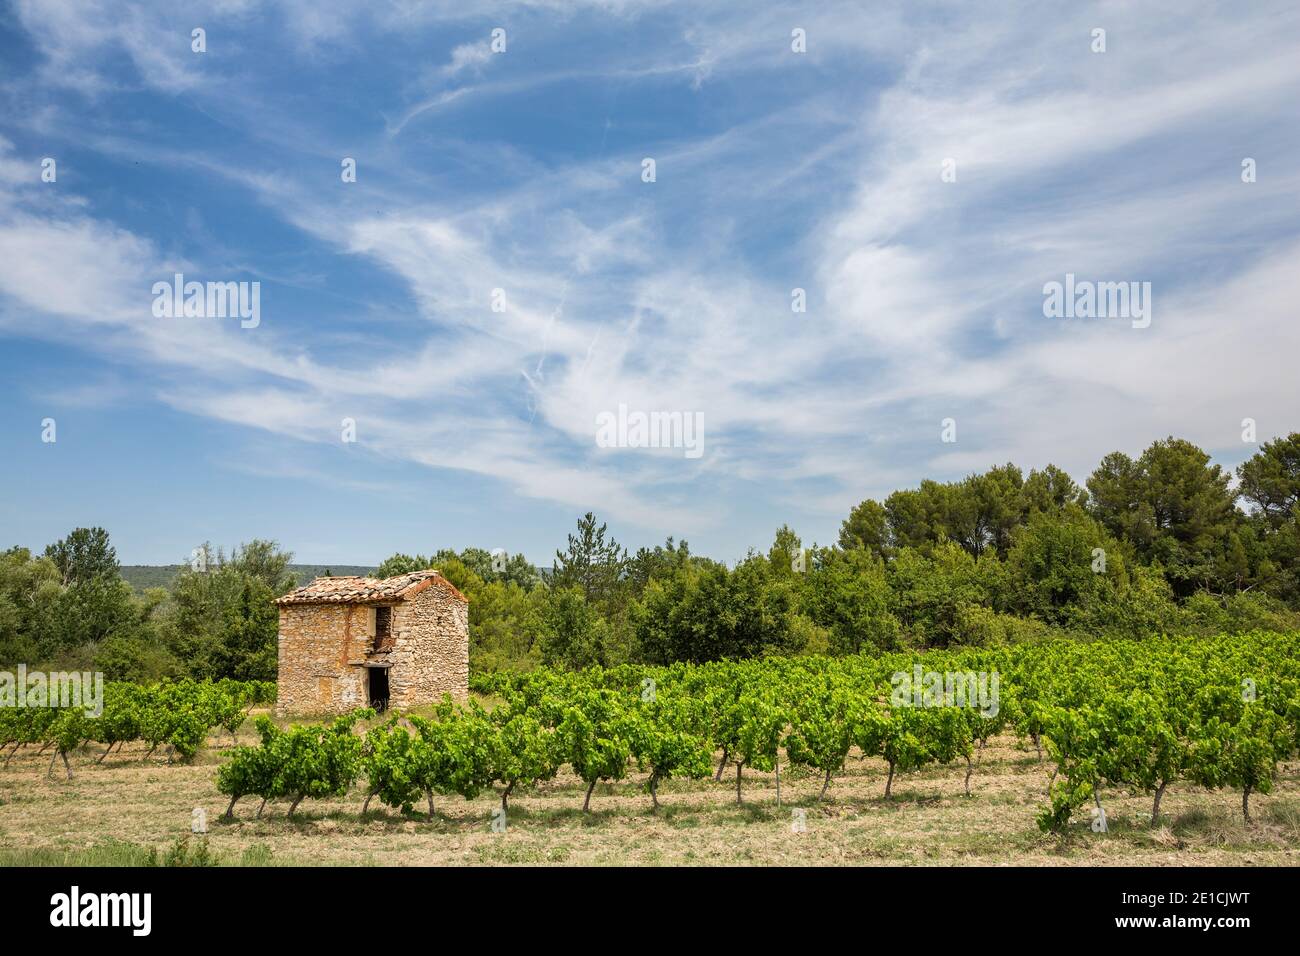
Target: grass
[(182, 852), (128, 812)]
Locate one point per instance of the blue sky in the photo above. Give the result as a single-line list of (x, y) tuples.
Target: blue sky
[(521, 171)]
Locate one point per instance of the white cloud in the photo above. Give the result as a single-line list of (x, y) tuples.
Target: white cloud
[(467, 56), (924, 295)]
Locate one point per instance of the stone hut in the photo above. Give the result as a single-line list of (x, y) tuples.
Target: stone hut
[(350, 642)]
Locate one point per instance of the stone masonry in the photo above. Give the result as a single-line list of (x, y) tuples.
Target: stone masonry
[(328, 643)]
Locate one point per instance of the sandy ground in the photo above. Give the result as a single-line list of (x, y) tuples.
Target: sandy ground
[(118, 810)]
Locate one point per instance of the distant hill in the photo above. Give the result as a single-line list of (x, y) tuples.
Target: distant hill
[(142, 576)]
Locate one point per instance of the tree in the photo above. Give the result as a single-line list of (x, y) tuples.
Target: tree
[(786, 552), (263, 561), (917, 516), (222, 620), (710, 613), (504, 621), (1270, 479), (1270, 482), (572, 634), (761, 607), (495, 566), (867, 527), (1174, 507), (666, 616), (930, 593), (1140, 604), (1061, 558), (90, 611), (402, 564), (136, 656), (979, 513), (1050, 489), (648, 564), (29, 587), (1115, 499), (84, 555), (847, 592), (461, 575), (93, 602), (982, 510), (248, 644), (591, 563)]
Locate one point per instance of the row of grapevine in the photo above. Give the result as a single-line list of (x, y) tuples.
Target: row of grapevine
[(178, 714), (466, 750), (294, 764), (1140, 716), (1143, 716)]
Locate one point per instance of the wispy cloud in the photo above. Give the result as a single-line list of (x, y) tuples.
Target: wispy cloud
[(520, 182)]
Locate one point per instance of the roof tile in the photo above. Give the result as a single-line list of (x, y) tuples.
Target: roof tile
[(352, 589)]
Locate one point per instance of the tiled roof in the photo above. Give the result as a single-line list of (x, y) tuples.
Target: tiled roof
[(351, 589)]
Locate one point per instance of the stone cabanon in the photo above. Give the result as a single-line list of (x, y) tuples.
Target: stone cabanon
[(349, 642)]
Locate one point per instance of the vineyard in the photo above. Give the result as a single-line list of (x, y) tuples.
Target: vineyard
[(1137, 716), (1070, 730), (176, 714)]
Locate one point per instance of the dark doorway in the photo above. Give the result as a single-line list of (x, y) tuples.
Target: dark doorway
[(379, 688)]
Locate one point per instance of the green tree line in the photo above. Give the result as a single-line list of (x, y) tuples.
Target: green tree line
[(1165, 542), (69, 609)]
